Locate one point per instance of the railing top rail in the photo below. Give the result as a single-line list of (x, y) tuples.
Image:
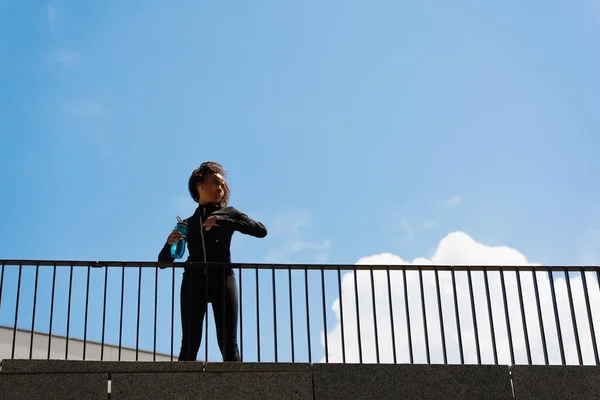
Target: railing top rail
[(400, 267)]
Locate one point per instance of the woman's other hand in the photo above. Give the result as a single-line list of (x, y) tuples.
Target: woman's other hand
[(210, 222)]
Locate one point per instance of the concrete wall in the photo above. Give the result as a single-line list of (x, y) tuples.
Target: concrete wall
[(58, 345), (48, 379), (556, 382)]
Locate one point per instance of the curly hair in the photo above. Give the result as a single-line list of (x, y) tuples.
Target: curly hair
[(205, 170)]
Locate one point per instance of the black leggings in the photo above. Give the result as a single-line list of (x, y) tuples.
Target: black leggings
[(196, 291)]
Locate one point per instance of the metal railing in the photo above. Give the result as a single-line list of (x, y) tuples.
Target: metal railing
[(308, 313)]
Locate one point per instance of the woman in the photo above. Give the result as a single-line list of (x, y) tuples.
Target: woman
[(209, 237)]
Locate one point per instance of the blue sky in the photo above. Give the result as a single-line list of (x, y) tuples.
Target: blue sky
[(348, 128)]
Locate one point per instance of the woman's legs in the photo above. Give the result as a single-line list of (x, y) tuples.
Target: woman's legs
[(193, 308), (225, 309)]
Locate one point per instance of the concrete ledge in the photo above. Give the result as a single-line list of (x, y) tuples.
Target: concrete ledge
[(556, 382), (196, 385), (33, 379), (258, 367), (53, 386), (355, 381), (77, 366)]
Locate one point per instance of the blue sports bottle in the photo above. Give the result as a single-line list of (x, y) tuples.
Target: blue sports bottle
[(178, 248)]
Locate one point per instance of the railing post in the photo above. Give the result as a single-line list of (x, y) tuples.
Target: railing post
[(441, 316), (51, 307), (14, 341), (104, 313), (539, 312), (69, 312), (35, 290), (87, 299), (389, 287), (408, 331), (556, 317), (589, 314), (324, 316)]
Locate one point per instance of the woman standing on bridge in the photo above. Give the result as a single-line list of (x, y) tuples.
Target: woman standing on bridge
[(209, 238)]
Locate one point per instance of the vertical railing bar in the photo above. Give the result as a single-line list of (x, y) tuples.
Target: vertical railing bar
[(409, 333), (51, 308), (137, 329), (439, 301), (556, 317), (274, 313), (425, 330), (257, 315), (121, 313), (508, 328), (172, 309), (14, 342), (291, 312), (357, 317), (324, 315), (241, 319), (223, 309), (573, 317), (457, 315), (104, 313), (389, 285), (69, 313), (474, 315), (307, 315), (375, 316), (490, 314), (339, 274), (87, 298), (589, 314), (523, 316), (35, 290), (539, 312), (2, 282), (206, 277), (155, 309)]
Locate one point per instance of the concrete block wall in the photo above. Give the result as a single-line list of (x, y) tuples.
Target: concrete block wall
[(56, 379)]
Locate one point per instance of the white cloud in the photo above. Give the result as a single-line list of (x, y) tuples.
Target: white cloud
[(458, 248), (452, 202), (286, 228), (65, 57)]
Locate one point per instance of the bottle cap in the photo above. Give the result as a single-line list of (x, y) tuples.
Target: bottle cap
[(181, 221)]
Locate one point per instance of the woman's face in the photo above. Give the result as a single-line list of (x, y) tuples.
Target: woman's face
[(212, 189)]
